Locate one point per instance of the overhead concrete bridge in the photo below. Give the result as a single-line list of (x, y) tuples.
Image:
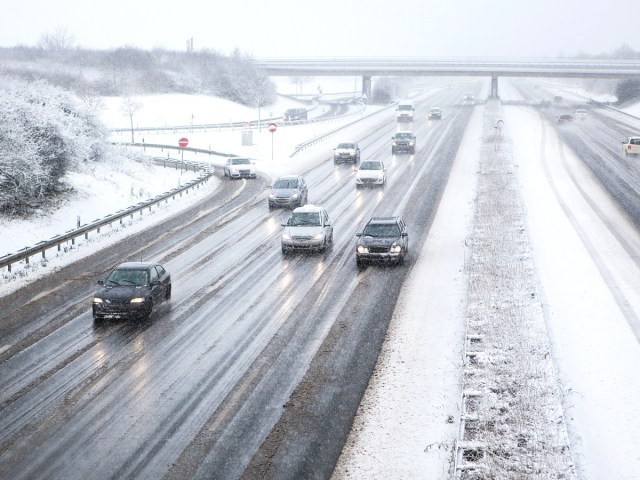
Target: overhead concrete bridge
[(468, 67)]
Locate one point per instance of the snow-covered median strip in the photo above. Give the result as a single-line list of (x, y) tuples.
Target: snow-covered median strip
[(514, 423)]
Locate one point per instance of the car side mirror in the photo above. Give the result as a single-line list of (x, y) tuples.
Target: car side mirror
[(283, 224), (358, 234), (405, 234), (155, 283), (100, 282)]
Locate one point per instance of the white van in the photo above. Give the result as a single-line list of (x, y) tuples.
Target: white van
[(405, 111), (631, 145)]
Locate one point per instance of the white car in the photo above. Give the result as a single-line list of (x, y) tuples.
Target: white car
[(371, 173), (631, 145), (307, 229), (239, 167), (580, 114)]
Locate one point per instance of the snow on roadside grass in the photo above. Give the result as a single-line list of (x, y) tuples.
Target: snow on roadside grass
[(103, 190), (515, 427)]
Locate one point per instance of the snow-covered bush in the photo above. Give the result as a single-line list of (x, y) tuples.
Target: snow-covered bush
[(44, 132)]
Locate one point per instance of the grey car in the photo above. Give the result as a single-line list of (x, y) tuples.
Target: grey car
[(403, 141), (307, 229), (289, 191)]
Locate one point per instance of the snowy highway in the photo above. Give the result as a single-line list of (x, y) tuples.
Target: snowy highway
[(258, 365)]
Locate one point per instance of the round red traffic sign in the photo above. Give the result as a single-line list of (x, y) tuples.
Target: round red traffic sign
[(183, 142), (272, 127)]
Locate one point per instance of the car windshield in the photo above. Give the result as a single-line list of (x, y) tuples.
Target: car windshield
[(635, 141), (381, 230), (127, 277), (370, 166), (298, 219), (403, 136), (346, 145), (286, 183), (405, 107), (240, 161)]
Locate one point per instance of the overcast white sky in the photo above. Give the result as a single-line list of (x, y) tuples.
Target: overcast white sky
[(341, 28)]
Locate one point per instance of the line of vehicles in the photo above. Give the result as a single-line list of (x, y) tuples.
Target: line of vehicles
[(135, 289)]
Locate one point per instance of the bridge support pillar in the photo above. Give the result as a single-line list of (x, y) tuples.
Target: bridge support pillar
[(494, 87), (366, 89)]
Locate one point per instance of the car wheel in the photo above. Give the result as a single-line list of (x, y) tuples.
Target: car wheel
[(285, 251), (167, 295), (147, 313), (359, 263)]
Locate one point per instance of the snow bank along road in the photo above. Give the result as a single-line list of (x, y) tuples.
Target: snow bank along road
[(257, 366)]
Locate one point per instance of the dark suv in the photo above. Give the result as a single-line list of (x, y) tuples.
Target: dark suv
[(403, 142), (383, 239)]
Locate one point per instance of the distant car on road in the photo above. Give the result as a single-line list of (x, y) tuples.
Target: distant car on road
[(289, 191), (132, 289), (631, 146), (468, 99), (581, 113), (307, 229), (383, 239), (435, 113), (403, 141), (371, 173), (239, 167), (346, 152), (295, 114), (564, 118), (404, 111)]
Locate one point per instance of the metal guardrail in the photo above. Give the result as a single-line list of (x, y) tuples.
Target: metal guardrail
[(41, 247), (57, 241), (250, 124), (323, 137)]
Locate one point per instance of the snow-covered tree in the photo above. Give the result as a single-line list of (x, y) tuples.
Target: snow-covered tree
[(44, 132)]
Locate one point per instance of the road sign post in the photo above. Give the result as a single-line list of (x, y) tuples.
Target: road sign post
[(183, 142), (272, 128)]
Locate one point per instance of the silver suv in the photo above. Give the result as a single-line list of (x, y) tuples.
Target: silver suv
[(308, 229), (289, 191)]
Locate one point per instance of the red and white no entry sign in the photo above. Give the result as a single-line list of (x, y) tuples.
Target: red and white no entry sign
[(183, 142), (272, 127)]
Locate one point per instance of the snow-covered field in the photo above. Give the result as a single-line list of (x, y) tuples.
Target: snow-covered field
[(408, 421)]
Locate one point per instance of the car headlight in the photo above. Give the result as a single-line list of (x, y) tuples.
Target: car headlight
[(362, 249), (396, 249), (294, 196), (137, 300), (286, 236), (394, 144), (318, 236), (97, 300), (411, 144)]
